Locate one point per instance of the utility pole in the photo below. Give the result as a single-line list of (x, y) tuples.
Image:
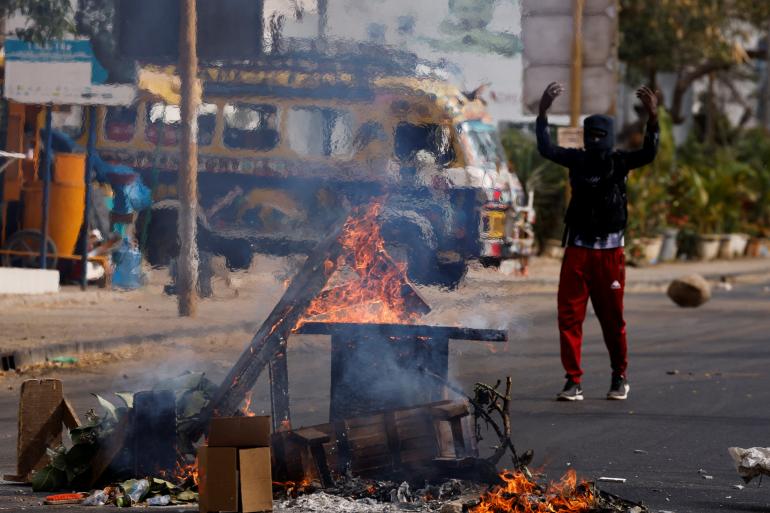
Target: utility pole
[(187, 184), (576, 76), (766, 92)]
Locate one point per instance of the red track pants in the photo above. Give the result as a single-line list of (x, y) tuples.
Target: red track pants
[(601, 275)]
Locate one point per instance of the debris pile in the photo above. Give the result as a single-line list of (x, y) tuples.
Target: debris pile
[(119, 444)]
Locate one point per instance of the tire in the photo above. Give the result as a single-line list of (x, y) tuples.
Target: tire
[(491, 262), (406, 242), (162, 240), (29, 241), (449, 276)]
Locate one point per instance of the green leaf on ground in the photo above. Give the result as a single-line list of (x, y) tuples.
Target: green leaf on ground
[(48, 479)]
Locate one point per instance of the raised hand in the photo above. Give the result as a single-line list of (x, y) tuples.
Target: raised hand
[(650, 101), (551, 92)]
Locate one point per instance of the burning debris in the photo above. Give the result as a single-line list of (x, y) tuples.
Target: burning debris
[(376, 291), (520, 493)]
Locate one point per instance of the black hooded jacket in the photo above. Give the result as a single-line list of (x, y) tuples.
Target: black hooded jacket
[(598, 177)]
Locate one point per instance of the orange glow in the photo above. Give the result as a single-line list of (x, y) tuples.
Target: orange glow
[(183, 473), (375, 293), (521, 495), (246, 410)]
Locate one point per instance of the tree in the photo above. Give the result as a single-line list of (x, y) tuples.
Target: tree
[(467, 30), (46, 19), (691, 38)]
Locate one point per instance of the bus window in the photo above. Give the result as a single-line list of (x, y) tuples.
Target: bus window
[(251, 127), (120, 123), (320, 132), (411, 138), (69, 121), (168, 118)]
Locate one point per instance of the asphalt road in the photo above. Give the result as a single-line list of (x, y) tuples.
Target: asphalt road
[(699, 384)]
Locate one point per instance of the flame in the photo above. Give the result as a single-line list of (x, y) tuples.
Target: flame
[(519, 494), (246, 410), (375, 294), (183, 473), (294, 489)]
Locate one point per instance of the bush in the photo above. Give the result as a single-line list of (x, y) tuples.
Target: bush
[(547, 180)]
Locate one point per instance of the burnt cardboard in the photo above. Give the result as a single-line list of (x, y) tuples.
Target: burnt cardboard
[(241, 432), (217, 479), (256, 480), (41, 414)]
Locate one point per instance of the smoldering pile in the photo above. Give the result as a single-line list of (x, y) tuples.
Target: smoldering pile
[(354, 495)]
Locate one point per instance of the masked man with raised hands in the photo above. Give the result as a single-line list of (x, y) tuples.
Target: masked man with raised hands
[(595, 223)]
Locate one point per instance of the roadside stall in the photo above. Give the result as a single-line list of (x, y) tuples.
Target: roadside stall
[(47, 196)]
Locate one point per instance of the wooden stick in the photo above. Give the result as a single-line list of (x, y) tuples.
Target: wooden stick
[(404, 330), (272, 335), (187, 183)]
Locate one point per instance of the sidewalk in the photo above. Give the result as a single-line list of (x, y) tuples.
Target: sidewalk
[(545, 272)]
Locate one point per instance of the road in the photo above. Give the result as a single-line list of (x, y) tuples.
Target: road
[(699, 384)]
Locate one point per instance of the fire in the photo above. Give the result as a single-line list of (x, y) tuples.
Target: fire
[(375, 292), (519, 494), (246, 410), (183, 473)]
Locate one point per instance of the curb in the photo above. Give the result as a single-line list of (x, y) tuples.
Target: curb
[(17, 358)]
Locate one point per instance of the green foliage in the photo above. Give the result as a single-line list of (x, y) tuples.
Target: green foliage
[(47, 19), (547, 180), (670, 35), (722, 190), (648, 187)]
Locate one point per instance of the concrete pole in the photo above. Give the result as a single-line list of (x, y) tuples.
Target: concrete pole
[(187, 185), (576, 76)]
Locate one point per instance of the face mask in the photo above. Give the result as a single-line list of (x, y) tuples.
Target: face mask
[(599, 133)]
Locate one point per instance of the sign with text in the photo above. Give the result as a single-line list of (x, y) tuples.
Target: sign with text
[(62, 72)]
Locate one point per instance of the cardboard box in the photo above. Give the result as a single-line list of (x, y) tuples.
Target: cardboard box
[(240, 432), (217, 479), (256, 480), (235, 469)]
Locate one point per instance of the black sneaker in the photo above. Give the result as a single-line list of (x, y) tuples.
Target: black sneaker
[(618, 389), (572, 392)]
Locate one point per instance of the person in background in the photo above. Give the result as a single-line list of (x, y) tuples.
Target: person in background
[(594, 263)]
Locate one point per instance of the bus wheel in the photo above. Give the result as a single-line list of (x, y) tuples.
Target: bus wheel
[(162, 241), (449, 276)]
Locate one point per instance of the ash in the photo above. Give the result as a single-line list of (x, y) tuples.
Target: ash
[(363, 496)]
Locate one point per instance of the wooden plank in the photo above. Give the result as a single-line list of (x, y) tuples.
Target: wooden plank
[(311, 435), (279, 391), (404, 330), (450, 411), (70, 416), (275, 330)]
